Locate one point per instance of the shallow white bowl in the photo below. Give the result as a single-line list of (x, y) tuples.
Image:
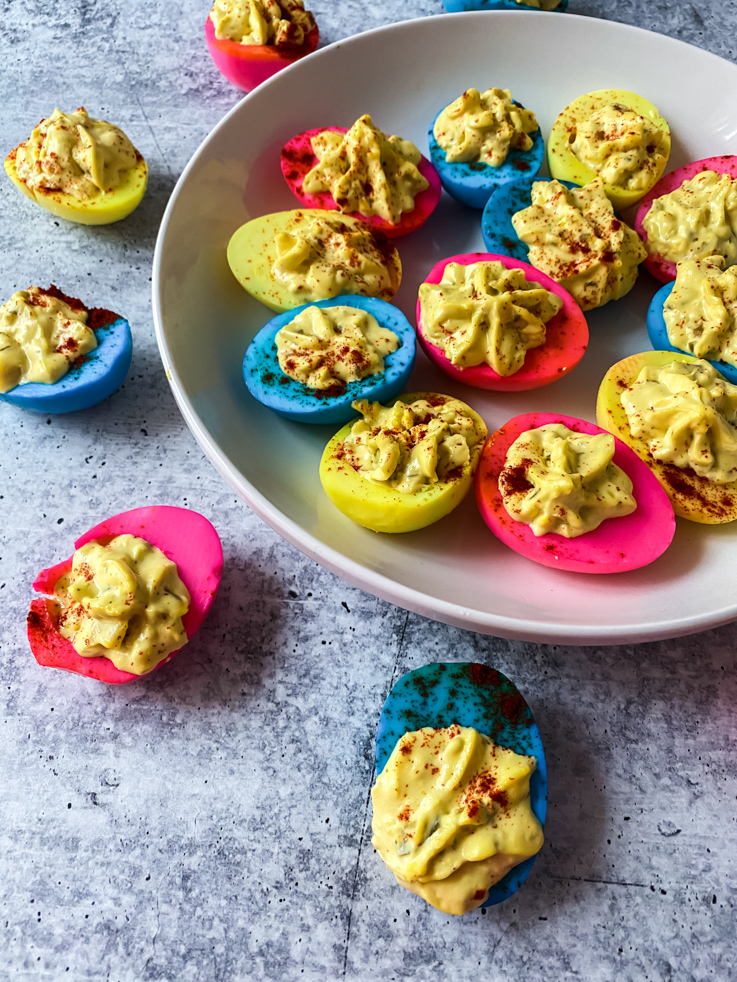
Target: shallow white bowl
[(455, 571)]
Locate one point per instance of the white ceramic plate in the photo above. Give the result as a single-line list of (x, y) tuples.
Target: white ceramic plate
[(455, 571)]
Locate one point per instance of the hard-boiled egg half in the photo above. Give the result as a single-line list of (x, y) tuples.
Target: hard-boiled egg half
[(247, 65), (630, 146), (695, 221), (454, 696), (692, 496), (566, 335), (91, 377), (288, 397), (298, 159), (473, 181), (374, 501), (183, 536), (572, 233), (617, 545), (273, 259), (81, 169), (657, 332)]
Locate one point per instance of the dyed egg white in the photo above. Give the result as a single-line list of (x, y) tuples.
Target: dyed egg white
[(663, 269), (478, 696), (567, 335), (616, 546), (185, 537), (472, 183), (267, 383), (298, 158), (93, 378), (657, 331)]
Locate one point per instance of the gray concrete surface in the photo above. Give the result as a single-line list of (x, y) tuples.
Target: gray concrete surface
[(213, 823)]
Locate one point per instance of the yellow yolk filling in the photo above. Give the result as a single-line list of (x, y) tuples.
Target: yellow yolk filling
[(701, 311), (367, 171), (40, 338), (484, 127), (328, 258), (696, 220), (75, 154), (123, 601), (486, 314), (623, 147), (262, 22), (575, 237), (687, 414), (557, 480), (452, 815), (325, 347), (409, 447)]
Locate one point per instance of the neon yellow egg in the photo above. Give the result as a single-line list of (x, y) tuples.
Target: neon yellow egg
[(616, 134), (291, 258), (693, 497), (387, 509), (81, 169), (103, 210)]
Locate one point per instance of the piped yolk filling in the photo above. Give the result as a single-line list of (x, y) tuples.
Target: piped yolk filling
[(123, 601), (41, 337), (329, 347), (452, 815), (367, 171), (487, 314), (557, 480)]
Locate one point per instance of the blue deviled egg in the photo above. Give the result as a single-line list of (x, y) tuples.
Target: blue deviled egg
[(455, 6), (92, 377), (284, 395), (473, 182), (452, 697), (657, 332), (574, 230), (496, 222)]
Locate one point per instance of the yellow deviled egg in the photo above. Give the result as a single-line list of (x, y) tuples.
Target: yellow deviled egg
[(82, 169)]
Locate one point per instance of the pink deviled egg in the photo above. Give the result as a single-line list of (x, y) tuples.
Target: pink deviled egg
[(248, 65), (663, 269), (567, 335), (298, 158), (185, 537), (616, 546)]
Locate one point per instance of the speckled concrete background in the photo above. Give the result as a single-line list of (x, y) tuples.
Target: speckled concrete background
[(213, 823)]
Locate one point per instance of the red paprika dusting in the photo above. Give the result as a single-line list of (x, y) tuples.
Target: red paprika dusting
[(100, 317), (483, 675), (711, 498), (36, 623), (295, 156), (72, 302), (513, 480), (97, 317), (512, 707), (482, 787), (424, 686), (68, 346)]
